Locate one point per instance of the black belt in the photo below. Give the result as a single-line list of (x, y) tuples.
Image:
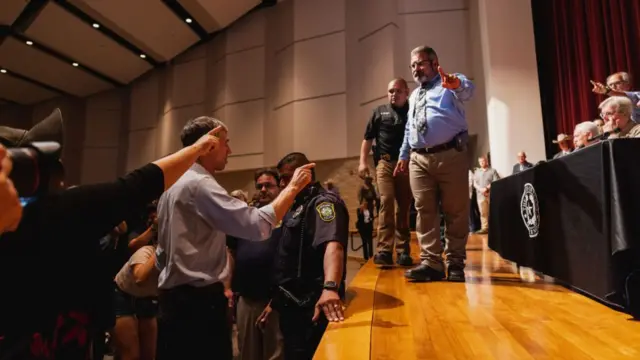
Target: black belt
[(387, 157), (436, 149)]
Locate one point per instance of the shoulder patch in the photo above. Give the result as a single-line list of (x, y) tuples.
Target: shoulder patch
[(327, 211)]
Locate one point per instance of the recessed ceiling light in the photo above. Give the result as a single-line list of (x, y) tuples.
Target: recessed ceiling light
[(143, 56), (188, 20), (29, 42), (96, 25), (3, 71), (75, 64)]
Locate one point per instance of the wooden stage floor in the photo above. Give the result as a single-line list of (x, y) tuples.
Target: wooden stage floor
[(494, 315)]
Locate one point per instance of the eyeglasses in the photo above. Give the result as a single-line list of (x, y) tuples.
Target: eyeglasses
[(419, 63), (616, 83), (605, 115), (268, 186)]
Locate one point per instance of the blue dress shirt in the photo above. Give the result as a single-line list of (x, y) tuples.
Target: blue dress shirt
[(634, 96), (444, 113)]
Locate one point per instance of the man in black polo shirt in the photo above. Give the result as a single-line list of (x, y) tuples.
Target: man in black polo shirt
[(259, 334), (386, 126)]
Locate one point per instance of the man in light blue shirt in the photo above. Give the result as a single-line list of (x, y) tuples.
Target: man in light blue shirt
[(194, 217), (435, 152)]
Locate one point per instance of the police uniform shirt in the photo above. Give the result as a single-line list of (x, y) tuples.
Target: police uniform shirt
[(386, 126), (325, 220)]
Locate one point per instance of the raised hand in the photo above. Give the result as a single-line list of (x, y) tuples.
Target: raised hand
[(599, 88), (449, 81), (209, 141), (302, 176)]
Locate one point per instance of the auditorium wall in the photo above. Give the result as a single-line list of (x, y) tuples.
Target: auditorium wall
[(303, 75)]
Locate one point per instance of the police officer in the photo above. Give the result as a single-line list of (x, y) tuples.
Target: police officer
[(386, 127), (309, 267)]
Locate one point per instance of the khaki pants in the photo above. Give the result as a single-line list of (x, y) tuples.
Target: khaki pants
[(483, 207), (257, 343), (392, 222), (447, 171)]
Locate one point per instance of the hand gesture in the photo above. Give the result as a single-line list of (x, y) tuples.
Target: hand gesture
[(599, 88), (10, 207), (264, 316), (363, 170), (331, 305), (401, 167), (209, 142), (449, 81), (301, 177)]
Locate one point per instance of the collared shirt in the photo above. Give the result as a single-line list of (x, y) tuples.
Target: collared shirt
[(444, 112), (483, 178), (634, 96), (194, 217), (387, 126)]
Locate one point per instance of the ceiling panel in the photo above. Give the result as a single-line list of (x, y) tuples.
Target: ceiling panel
[(22, 92), (153, 26), (218, 12), (67, 34), (28, 61), (10, 9)]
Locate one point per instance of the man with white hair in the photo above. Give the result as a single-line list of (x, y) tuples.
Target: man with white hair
[(583, 132), (616, 112), (619, 84)]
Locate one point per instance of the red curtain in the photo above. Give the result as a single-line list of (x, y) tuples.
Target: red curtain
[(578, 41)]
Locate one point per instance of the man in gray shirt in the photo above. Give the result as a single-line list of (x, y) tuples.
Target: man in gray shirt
[(482, 179), (194, 217)]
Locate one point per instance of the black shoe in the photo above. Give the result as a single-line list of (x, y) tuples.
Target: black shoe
[(404, 259), (455, 273), (383, 258), (424, 273)]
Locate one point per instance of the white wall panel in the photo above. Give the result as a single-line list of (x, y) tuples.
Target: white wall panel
[(187, 87), (413, 6), (170, 127), (145, 95), (320, 66), (320, 127), (313, 18), (141, 149), (245, 75), (377, 64)]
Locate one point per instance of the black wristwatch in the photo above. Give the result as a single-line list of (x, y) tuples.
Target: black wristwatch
[(330, 285)]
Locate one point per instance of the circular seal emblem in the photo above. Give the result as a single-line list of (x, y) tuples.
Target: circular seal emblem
[(530, 210)]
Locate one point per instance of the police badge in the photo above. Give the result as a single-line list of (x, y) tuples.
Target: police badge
[(298, 211), (530, 210), (326, 211)]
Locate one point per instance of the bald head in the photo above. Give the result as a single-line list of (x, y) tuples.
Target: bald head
[(398, 92)]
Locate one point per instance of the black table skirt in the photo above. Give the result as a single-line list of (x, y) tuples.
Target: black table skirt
[(580, 215)]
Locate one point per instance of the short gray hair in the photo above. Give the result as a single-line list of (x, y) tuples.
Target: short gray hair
[(196, 128), (625, 76), (587, 127), (621, 104), (427, 50)]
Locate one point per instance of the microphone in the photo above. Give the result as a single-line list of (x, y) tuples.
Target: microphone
[(605, 135)]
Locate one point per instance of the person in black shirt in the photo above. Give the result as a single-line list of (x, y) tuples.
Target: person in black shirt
[(259, 335), (386, 127), (309, 268), (48, 268)]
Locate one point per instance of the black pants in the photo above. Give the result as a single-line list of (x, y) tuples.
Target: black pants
[(193, 324), (301, 335), (366, 234)]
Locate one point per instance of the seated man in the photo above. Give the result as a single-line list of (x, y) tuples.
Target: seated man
[(522, 164), (616, 112), (583, 132)]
